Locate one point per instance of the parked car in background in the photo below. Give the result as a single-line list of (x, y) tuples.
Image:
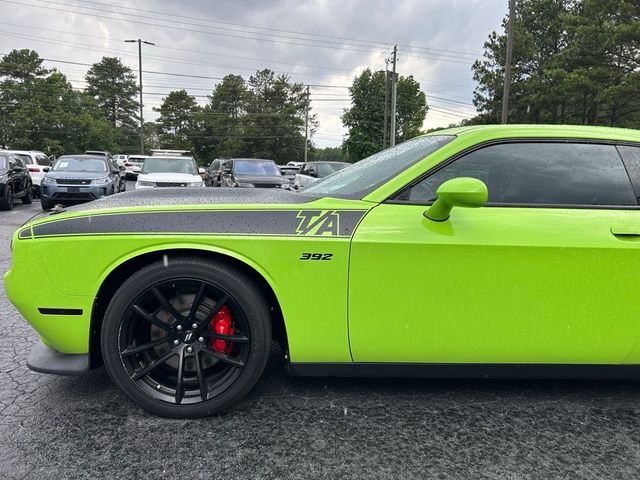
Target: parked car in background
[(204, 175), (251, 173), (15, 181), (133, 165), (120, 159), (37, 163), (289, 173), (122, 181), (162, 152), (99, 153), (312, 171), (169, 172), (77, 179), (214, 177), (295, 164)]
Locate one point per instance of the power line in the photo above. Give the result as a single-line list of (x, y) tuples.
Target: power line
[(332, 37), (325, 44)]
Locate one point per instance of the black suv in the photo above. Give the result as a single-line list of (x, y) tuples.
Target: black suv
[(251, 173), (15, 181)]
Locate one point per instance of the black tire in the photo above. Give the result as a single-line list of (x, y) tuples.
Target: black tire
[(28, 196), (47, 204), (151, 320), (6, 202)]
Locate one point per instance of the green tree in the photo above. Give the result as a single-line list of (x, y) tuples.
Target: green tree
[(575, 61), (329, 154), (224, 119), (113, 86), (45, 112), (273, 124), (22, 65), (365, 117), (176, 124)]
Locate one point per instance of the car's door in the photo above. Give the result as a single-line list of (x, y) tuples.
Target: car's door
[(23, 175), (546, 273), (15, 174)]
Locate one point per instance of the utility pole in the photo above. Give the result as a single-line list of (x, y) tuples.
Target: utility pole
[(394, 93), (306, 127), (385, 133), (507, 66), (140, 42)]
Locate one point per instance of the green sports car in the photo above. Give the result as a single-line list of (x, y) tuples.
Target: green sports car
[(180, 293)]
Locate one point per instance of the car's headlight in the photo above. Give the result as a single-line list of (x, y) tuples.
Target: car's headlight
[(101, 181), (48, 180), (245, 184), (196, 184), (145, 183)]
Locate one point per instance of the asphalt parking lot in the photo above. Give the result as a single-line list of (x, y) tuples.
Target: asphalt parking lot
[(83, 427)]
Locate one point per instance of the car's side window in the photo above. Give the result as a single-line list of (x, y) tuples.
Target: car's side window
[(537, 173), (631, 157), (43, 160), (12, 162)]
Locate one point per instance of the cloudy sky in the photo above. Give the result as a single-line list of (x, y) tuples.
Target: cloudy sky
[(324, 43)]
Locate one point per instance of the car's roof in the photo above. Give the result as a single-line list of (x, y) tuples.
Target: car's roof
[(545, 131), (83, 157), (252, 159), (315, 162), (22, 152)]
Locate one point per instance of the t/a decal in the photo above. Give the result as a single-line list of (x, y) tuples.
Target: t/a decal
[(318, 222)]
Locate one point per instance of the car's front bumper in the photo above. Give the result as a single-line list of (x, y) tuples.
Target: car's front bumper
[(73, 193), (62, 321), (47, 360)]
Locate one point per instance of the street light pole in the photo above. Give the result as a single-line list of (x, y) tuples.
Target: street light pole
[(140, 42)]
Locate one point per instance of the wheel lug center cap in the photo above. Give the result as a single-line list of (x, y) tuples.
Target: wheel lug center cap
[(189, 337)]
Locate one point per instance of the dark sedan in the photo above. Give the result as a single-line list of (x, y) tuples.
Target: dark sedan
[(252, 173), (15, 181), (77, 179)]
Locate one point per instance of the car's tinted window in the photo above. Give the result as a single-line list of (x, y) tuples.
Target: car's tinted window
[(631, 157), (538, 173), (26, 159), (361, 178), (43, 160), (72, 164)]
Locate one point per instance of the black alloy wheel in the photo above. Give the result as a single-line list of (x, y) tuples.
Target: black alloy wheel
[(190, 340), (7, 200)]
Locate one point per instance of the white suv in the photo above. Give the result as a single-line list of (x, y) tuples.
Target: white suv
[(37, 163)]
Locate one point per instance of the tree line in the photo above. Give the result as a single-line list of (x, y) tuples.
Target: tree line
[(574, 62), (262, 116)]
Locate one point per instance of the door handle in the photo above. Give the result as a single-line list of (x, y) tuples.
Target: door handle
[(626, 230)]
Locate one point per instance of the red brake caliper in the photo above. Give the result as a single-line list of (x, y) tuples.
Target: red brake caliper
[(222, 323)]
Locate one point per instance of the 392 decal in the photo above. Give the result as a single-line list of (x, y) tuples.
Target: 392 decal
[(316, 256)]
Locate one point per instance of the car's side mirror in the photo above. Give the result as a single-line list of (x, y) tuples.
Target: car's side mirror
[(46, 169), (457, 192)]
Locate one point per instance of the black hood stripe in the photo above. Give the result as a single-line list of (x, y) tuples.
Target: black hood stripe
[(318, 223)]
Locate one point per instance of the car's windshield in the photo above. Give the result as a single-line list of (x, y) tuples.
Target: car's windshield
[(170, 165), (363, 177), (326, 169), (3, 163), (253, 167), (73, 164)]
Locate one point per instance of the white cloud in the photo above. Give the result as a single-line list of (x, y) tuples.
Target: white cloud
[(214, 49)]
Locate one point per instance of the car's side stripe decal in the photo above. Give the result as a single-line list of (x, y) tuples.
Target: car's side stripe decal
[(315, 223)]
